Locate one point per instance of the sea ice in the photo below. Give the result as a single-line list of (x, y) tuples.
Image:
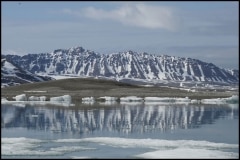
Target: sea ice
[(91, 99), (33, 98), (107, 98), (42, 98), (21, 97), (195, 101), (64, 98), (187, 153), (167, 99), (131, 98), (232, 99), (26, 146), (3, 99), (186, 99)]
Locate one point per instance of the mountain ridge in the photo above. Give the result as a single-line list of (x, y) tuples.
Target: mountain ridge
[(123, 65), (14, 75)]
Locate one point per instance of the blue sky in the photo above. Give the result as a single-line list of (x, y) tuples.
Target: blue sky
[(204, 30)]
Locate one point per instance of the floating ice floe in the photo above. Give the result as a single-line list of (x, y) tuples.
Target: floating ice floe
[(131, 99), (88, 102), (21, 97), (89, 99), (195, 101), (160, 148), (167, 99), (21, 100), (29, 147), (34, 98), (232, 99), (107, 98), (184, 100), (42, 98), (151, 148), (64, 98), (213, 101), (38, 103), (3, 99), (158, 99), (180, 153)]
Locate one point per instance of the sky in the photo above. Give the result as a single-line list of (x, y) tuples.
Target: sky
[(208, 31)]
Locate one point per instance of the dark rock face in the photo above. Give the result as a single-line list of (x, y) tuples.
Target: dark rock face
[(81, 62)]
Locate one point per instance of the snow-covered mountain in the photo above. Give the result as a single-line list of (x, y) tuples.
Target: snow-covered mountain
[(124, 65), (13, 75)]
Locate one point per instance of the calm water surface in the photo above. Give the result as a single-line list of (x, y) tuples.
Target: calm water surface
[(120, 131)]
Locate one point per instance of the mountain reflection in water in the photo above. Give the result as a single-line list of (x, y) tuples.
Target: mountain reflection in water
[(121, 118)]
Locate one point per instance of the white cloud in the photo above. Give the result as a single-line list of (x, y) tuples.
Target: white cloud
[(140, 15)]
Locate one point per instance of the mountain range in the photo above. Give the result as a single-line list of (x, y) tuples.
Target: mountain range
[(123, 65), (13, 75)]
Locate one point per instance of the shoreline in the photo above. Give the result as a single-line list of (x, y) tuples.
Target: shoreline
[(79, 88), (123, 92), (22, 101)]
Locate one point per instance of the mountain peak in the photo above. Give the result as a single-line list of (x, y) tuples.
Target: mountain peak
[(76, 49)]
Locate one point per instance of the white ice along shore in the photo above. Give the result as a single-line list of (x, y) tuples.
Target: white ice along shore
[(34, 98), (167, 99), (233, 99), (149, 100), (107, 98), (66, 100), (88, 100), (21, 100), (131, 99)]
